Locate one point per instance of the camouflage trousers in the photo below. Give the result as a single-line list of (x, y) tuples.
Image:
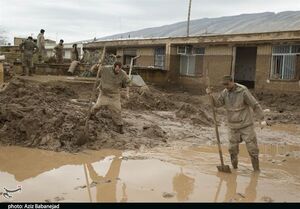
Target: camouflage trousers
[(27, 61), (113, 103), (27, 64), (247, 135), (59, 58)]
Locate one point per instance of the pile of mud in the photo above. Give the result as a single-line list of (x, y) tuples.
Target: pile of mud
[(186, 106), (151, 100), (285, 108), (196, 114), (42, 115)]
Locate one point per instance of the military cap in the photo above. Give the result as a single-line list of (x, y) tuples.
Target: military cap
[(226, 79)]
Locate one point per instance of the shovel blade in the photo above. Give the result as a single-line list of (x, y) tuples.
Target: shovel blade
[(137, 80), (224, 168)]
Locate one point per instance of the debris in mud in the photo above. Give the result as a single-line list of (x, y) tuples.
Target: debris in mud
[(57, 199), (153, 131), (80, 187), (133, 158), (168, 195), (267, 199)]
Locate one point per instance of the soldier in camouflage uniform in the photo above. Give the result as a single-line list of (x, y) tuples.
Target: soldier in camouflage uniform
[(41, 45), (74, 53), (59, 49), (240, 104), (28, 48), (112, 79)]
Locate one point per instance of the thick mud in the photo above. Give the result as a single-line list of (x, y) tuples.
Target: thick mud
[(42, 114)]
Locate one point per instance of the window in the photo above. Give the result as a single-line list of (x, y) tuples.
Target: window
[(129, 53), (159, 57), (285, 62), (184, 49), (187, 65), (191, 60), (181, 50), (199, 50)]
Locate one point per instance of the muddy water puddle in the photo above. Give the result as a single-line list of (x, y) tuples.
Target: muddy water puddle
[(160, 175)]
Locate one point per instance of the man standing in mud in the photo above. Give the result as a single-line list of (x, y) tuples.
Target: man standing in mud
[(112, 79), (59, 49), (240, 104), (28, 48)]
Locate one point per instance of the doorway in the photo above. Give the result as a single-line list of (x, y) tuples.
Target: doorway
[(245, 66)]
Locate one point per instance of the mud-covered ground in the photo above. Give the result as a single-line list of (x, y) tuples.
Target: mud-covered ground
[(168, 152), (48, 116)]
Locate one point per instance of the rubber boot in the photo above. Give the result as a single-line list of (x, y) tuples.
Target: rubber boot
[(120, 129), (234, 161), (255, 163)]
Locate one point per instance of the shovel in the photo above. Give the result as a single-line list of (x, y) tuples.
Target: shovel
[(84, 136), (221, 168)]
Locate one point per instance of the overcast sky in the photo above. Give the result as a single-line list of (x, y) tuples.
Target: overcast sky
[(74, 20)]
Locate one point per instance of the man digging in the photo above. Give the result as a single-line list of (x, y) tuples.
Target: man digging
[(112, 79), (240, 104)]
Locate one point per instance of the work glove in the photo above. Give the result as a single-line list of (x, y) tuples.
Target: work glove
[(208, 90), (263, 124)]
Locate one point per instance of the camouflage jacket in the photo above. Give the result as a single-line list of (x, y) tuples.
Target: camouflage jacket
[(239, 104), (59, 49), (41, 41), (111, 82), (28, 47)]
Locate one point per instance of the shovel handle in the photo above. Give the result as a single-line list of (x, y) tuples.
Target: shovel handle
[(216, 129), (215, 120), (101, 61)]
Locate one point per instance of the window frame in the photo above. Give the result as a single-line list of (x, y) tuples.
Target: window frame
[(284, 56)]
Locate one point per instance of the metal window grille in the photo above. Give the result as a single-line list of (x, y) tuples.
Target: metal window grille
[(284, 62)]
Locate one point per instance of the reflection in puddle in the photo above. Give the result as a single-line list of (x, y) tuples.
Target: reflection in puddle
[(231, 194), (106, 176), (183, 186)]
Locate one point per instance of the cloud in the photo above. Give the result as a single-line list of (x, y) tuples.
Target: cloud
[(75, 20)]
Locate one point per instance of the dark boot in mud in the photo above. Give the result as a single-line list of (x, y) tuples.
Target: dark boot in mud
[(255, 163), (120, 129), (234, 161)]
